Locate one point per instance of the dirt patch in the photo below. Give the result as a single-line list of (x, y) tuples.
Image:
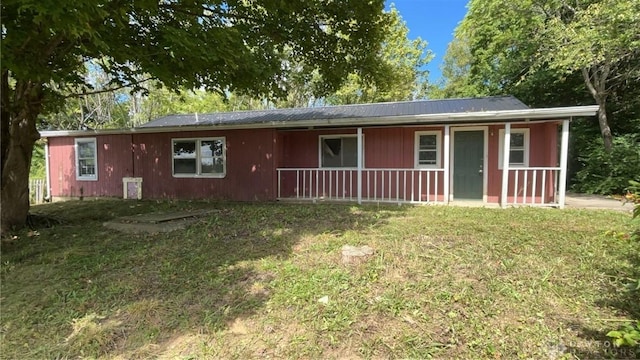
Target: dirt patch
[(156, 222)]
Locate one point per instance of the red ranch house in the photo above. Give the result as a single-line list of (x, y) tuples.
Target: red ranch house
[(492, 150)]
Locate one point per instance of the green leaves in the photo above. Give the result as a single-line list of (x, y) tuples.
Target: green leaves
[(398, 74), (627, 335), (216, 45)]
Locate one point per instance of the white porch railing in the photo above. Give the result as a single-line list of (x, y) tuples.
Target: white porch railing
[(378, 185), (533, 186)]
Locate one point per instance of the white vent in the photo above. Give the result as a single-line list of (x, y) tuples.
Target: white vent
[(132, 188)]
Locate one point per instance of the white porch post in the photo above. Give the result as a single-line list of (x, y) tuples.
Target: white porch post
[(564, 151), (360, 165), (505, 164), (446, 163)]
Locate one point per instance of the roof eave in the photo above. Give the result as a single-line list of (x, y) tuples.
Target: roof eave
[(447, 118)]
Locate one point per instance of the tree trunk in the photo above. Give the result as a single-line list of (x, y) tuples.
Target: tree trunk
[(19, 114), (595, 78), (605, 130)]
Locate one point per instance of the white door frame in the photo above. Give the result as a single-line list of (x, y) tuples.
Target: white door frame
[(485, 158)]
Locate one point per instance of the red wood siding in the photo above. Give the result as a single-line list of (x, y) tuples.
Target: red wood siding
[(114, 163), (253, 155), (384, 148), (543, 152), (250, 156)]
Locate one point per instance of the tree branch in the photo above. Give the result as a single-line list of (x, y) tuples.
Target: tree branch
[(107, 90), (587, 81)]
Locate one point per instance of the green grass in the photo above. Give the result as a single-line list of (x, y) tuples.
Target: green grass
[(244, 282)]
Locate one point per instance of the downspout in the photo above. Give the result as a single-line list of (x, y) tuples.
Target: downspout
[(133, 156), (360, 165), (47, 171)]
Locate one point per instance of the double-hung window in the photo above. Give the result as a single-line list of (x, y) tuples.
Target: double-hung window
[(338, 151), (427, 149), (199, 157), (518, 149), (86, 159)]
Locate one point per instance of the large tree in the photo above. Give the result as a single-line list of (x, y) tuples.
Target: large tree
[(601, 41), (401, 74), (547, 52), (220, 45)]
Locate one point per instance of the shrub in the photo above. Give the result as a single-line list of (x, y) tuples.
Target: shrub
[(608, 173)]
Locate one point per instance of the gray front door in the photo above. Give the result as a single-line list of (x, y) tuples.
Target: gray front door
[(468, 160)]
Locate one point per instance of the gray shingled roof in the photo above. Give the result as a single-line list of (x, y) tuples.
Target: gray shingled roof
[(344, 112)]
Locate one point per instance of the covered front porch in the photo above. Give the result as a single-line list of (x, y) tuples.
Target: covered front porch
[(435, 165)]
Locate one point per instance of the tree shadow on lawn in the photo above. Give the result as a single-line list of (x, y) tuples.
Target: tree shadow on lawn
[(626, 304), (81, 290)]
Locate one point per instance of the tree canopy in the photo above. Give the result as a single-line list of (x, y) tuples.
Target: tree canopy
[(403, 76), (222, 45), (555, 53)]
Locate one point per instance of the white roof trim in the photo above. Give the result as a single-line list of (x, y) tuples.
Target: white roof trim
[(556, 113)]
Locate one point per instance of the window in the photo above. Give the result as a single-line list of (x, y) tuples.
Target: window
[(519, 148), (86, 159), (339, 151), (199, 157), (427, 151)]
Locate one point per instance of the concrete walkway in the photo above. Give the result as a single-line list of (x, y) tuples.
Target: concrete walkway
[(585, 201)]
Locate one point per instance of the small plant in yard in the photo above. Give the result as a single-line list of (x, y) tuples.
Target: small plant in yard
[(633, 196), (627, 335)]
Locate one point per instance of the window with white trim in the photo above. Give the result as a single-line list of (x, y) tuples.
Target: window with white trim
[(518, 150), (337, 151), (427, 149), (199, 157), (86, 159)]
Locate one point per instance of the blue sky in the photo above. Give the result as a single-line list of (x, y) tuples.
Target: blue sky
[(433, 21)]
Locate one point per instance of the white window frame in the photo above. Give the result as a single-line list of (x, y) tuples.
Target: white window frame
[(93, 177), (198, 173), (416, 156), (337, 136), (524, 131)]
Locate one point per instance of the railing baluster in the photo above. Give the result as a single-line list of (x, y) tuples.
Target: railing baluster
[(544, 186), (368, 185), (555, 187), (524, 191), (419, 185), (325, 191), (390, 193), (375, 185), (297, 184), (413, 175), (330, 185), (428, 174), (397, 186), (404, 187), (304, 183), (515, 187), (533, 188), (317, 183), (382, 188), (435, 191)]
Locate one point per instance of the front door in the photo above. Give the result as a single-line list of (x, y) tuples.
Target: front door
[(468, 160)]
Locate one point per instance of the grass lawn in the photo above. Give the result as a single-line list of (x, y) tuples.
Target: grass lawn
[(245, 280)]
